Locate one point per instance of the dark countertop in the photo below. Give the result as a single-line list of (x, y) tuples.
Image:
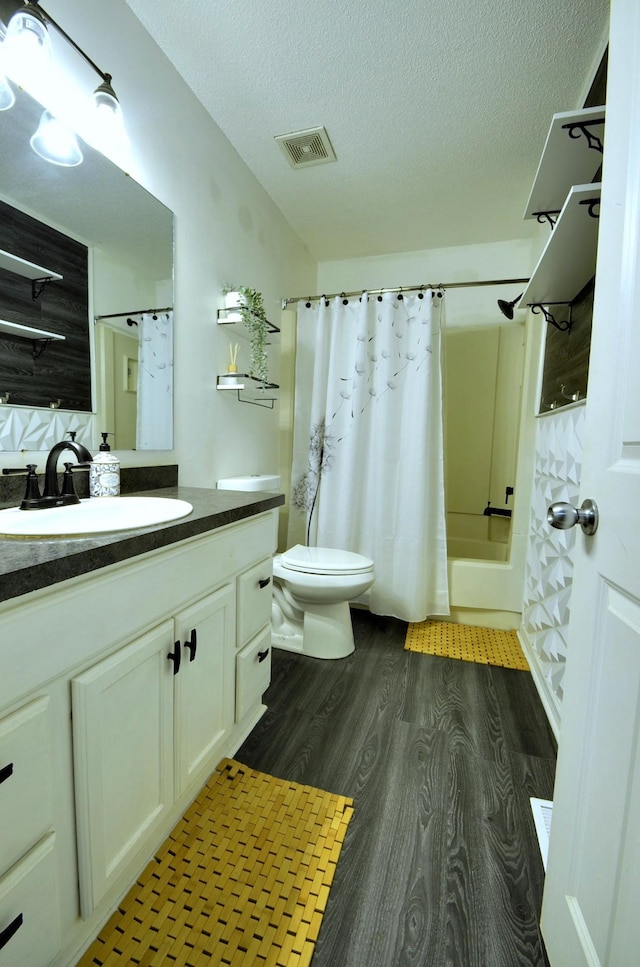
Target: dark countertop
[(28, 565)]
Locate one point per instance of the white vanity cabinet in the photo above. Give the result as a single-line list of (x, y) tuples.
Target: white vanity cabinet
[(104, 741)]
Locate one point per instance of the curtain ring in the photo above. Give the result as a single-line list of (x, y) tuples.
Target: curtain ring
[(345, 301), (421, 292), (400, 295), (308, 303)]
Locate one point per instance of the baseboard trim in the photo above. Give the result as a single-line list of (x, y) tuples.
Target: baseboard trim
[(548, 699)]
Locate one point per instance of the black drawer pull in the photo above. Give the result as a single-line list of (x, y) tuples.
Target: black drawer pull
[(262, 655), (9, 931), (5, 772), (263, 582), (174, 656), (192, 644)]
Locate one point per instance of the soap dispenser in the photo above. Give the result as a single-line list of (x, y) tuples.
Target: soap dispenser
[(104, 473)]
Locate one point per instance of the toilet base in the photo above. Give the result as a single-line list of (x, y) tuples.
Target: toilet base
[(327, 632)]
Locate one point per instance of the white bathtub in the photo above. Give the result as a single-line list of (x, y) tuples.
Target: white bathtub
[(477, 550)]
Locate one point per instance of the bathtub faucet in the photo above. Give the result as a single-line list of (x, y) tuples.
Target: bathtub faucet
[(490, 511)]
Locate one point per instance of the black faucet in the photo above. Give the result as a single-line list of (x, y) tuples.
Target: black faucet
[(52, 496)]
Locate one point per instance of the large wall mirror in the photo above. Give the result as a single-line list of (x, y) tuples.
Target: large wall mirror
[(129, 237)]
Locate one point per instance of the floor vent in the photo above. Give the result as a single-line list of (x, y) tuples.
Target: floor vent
[(305, 148), (542, 812)]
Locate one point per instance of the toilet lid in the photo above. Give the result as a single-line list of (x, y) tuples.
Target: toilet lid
[(324, 560)]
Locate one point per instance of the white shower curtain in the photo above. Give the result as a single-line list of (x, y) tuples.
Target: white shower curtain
[(154, 429), (368, 442)]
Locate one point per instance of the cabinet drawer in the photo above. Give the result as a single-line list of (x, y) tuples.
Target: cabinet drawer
[(255, 590), (253, 673), (29, 919), (25, 781)]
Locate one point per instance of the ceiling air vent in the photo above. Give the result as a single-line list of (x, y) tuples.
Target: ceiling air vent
[(305, 148)]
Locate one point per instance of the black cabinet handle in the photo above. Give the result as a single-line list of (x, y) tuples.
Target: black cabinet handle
[(263, 582), (192, 644), (262, 655), (174, 656), (9, 931), (5, 772)]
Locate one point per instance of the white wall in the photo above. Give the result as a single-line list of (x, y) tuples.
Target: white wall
[(226, 229), (476, 306)]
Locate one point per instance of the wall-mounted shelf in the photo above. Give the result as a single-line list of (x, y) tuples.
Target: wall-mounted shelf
[(39, 337), (568, 261), (37, 274), (229, 317), (572, 155), (249, 389)]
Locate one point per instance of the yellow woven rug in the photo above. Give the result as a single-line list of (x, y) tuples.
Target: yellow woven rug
[(466, 642), (243, 879)]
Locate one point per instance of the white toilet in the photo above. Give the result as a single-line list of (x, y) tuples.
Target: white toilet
[(312, 588)]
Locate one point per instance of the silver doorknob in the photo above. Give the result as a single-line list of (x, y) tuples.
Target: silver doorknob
[(563, 516)]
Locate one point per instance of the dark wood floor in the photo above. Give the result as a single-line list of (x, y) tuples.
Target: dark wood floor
[(441, 865)]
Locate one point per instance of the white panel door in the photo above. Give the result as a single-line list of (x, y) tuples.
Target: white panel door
[(204, 685), (123, 757), (590, 905)]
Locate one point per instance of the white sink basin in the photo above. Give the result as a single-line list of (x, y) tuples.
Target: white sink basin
[(93, 516)]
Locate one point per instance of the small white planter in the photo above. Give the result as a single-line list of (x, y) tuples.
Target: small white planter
[(231, 301)]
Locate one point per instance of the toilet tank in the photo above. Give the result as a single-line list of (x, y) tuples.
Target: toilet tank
[(256, 481)]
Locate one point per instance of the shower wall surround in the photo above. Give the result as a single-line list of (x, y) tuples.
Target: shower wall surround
[(549, 562)]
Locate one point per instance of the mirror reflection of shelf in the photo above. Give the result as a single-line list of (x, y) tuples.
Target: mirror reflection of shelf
[(227, 317), (39, 337), (255, 391), (38, 275)]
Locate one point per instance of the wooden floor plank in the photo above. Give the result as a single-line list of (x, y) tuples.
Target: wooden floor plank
[(440, 865)]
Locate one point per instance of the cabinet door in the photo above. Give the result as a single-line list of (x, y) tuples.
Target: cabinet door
[(205, 685), (255, 591), (29, 918), (123, 757), (26, 811), (253, 673)]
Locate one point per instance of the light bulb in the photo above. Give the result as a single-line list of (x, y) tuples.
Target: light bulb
[(27, 48), (108, 123), (55, 142)]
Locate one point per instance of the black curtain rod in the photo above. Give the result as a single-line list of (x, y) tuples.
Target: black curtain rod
[(403, 288), (132, 312)]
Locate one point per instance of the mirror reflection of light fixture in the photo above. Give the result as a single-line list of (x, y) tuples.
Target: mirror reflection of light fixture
[(7, 97), (506, 308), (55, 142), (26, 47)]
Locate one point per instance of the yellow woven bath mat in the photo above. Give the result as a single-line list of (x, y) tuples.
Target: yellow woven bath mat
[(483, 645), (242, 879)]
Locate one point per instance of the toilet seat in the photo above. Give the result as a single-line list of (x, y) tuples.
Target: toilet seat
[(324, 560)]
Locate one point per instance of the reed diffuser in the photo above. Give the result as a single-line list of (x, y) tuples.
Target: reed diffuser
[(233, 358)]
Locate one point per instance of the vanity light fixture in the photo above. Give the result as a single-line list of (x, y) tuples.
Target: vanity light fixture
[(7, 97), (28, 45)]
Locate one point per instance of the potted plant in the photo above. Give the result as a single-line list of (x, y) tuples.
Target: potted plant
[(251, 311)]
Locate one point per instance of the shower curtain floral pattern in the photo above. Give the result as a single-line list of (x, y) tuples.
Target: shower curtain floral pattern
[(154, 430), (368, 469)]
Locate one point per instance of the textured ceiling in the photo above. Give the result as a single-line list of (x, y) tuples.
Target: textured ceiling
[(437, 109)]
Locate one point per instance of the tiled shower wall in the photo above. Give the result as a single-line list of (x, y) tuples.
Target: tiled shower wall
[(549, 567)]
